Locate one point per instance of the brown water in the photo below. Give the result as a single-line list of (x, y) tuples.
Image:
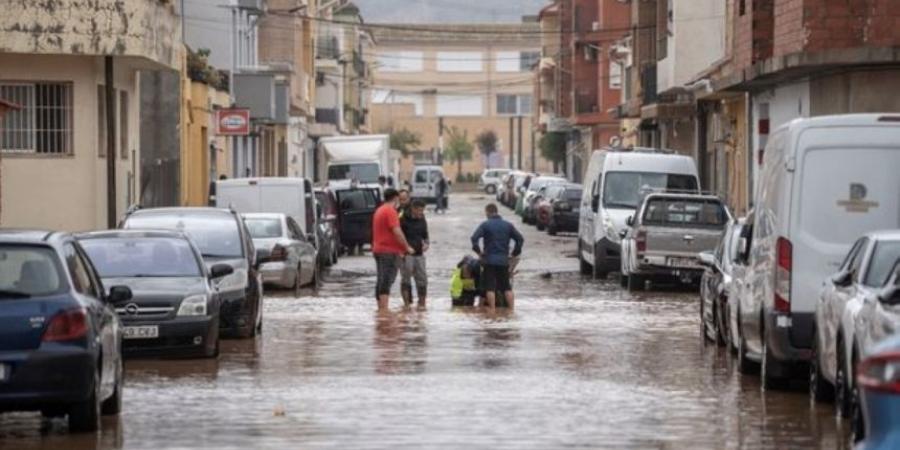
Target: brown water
[(578, 364)]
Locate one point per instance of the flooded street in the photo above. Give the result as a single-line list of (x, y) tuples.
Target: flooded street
[(578, 364)]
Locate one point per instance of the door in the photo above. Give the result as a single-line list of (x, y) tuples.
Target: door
[(357, 206), (422, 186), (302, 251)]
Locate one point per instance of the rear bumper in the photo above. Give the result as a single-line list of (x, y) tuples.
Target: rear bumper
[(278, 273), (53, 375), (176, 338), (783, 336)]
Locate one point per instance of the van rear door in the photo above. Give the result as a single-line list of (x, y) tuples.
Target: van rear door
[(286, 198), (845, 185)]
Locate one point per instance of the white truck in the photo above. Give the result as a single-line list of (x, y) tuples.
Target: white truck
[(361, 158)]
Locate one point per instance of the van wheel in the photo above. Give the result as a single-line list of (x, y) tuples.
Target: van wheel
[(820, 389), (85, 416), (770, 368), (636, 282)]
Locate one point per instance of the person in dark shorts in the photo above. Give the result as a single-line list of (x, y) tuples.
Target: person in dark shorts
[(496, 234), (388, 246)]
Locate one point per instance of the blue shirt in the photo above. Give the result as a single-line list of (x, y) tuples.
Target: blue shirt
[(496, 234)]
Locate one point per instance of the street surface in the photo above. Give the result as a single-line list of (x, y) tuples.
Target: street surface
[(579, 364)]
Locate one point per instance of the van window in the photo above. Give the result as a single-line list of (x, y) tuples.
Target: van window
[(364, 173), (681, 212), (264, 227), (435, 176), (356, 200), (624, 189), (884, 258), (421, 176)]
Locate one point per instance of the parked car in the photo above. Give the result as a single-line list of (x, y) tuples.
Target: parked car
[(329, 230), (356, 207), (536, 189), (822, 185), (424, 183), (878, 378), (559, 209), (175, 306), (506, 188), (490, 179), (716, 285), (60, 338), (667, 235), (612, 192), (222, 238), (520, 183), (290, 258)]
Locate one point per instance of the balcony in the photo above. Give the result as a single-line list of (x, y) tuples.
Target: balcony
[(328, 115)]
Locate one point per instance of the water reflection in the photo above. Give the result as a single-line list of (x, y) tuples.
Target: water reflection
[(401, 341)]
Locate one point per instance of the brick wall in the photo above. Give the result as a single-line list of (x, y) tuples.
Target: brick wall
[(789, 32), (817, 25)]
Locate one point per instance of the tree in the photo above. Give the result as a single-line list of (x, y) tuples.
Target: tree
[(404, 140), (553, 148), (487, 144), (458, 148)]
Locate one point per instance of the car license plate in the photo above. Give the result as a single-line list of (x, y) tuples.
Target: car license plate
[(4, 372), (682, 262), (146, 332)]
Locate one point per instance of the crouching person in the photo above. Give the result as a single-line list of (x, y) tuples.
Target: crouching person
[(415, 228), (465, 281)]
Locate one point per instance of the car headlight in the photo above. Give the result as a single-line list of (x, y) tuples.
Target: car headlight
[(194, 305), (235, 281)]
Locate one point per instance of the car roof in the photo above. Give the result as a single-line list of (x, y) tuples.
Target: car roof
[(262, 181), (683, 196), (132, 233), (28, 236), (264, 215), (889, 119), (182, 210), (884, 235)]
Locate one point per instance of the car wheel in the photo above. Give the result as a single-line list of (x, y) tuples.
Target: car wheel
[(636, 282), (551, 229), (857, 420), (842, 394), (214, 353), (704, 333), (298, 283), (623, 280), (745, 365), (820, 389), (85, 416), (490, 189), (113, 405), (721, 325)]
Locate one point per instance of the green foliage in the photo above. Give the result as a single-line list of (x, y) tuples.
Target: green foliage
[(487, 142), (198, 69), (553, 147), (458, 148), (404, 140)]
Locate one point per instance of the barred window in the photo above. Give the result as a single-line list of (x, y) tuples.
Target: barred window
[(43, 125)]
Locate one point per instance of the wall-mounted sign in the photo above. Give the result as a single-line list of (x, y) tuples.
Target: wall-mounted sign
[(233, 122)]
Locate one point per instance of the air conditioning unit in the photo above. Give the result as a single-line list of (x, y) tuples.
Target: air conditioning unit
[(595, 26)]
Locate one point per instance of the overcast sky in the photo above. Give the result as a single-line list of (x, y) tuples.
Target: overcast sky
[(448, 11)]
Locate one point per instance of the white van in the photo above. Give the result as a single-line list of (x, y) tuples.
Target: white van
[(612, 192), (424, 182), (291, 196), (824, 182)]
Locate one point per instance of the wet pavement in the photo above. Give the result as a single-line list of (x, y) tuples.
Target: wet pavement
[(578, 364)]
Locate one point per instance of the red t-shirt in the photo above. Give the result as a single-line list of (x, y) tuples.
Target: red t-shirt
[(383, 224)]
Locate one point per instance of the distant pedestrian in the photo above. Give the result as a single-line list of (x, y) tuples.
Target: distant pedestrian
[(415, 229), (388, 246), (440, 191), (496, 234)]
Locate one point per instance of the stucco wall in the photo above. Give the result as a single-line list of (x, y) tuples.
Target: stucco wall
[(66, 192)]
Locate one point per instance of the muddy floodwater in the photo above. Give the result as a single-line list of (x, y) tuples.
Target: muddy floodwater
[(579, 363)]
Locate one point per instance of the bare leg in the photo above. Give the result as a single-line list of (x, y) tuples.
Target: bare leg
[(383, 301), (510, 299), (491, 299)]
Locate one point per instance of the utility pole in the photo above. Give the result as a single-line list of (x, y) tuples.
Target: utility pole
[(440, 155), (519, 159), (533, 167), (110, 142), (512, 143)]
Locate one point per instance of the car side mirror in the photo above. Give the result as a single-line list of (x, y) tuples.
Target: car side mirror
[(842, 278), (220, 271), (629, 221), (119, 294), (890, 296), (707, 259), (595, 203)]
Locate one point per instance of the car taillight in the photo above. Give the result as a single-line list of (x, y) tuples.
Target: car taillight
[(640, 241), (66, 326), (279, 253), (785, 263), (880, 373)]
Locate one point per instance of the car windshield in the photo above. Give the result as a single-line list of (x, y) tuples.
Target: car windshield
[(29, 271), (216, 235), (539, 183), (264, 227), (685, 212), (624, 189), (572, 195), (885, 256), (364, 173), (140, 257)]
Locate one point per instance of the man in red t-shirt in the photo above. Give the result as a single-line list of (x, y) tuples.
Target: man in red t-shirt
[(388, 246)]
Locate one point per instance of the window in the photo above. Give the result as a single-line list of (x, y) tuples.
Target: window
[(615, 75), (79, 272), (514, 104), (623, 190), (390, 96), (459, 61), (856, 264), (400, 61), (29, 271), (527, 60), (421, 176), (123, 124), (692, 213), (885, 256), (507, 61), (460, 105), (43, 125), (143, 257), (742, 7), (264, 228)]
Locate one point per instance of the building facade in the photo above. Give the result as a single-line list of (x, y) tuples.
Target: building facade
[(430, 79), (76, 79)]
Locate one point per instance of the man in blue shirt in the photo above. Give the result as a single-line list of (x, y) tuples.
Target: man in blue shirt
[(496, 234)]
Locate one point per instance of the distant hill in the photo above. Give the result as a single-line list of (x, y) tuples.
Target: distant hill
[(448, 11)]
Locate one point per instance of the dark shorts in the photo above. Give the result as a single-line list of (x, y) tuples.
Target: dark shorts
[(495, 278), (386, 266)]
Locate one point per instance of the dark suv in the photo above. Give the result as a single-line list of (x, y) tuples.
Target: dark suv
[(60, 339), (175, 309), (222, 238)]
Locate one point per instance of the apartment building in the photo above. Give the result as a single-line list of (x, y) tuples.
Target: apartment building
[(431, 78)]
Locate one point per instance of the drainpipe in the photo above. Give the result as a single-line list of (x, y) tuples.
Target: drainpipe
[(110, 142)]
